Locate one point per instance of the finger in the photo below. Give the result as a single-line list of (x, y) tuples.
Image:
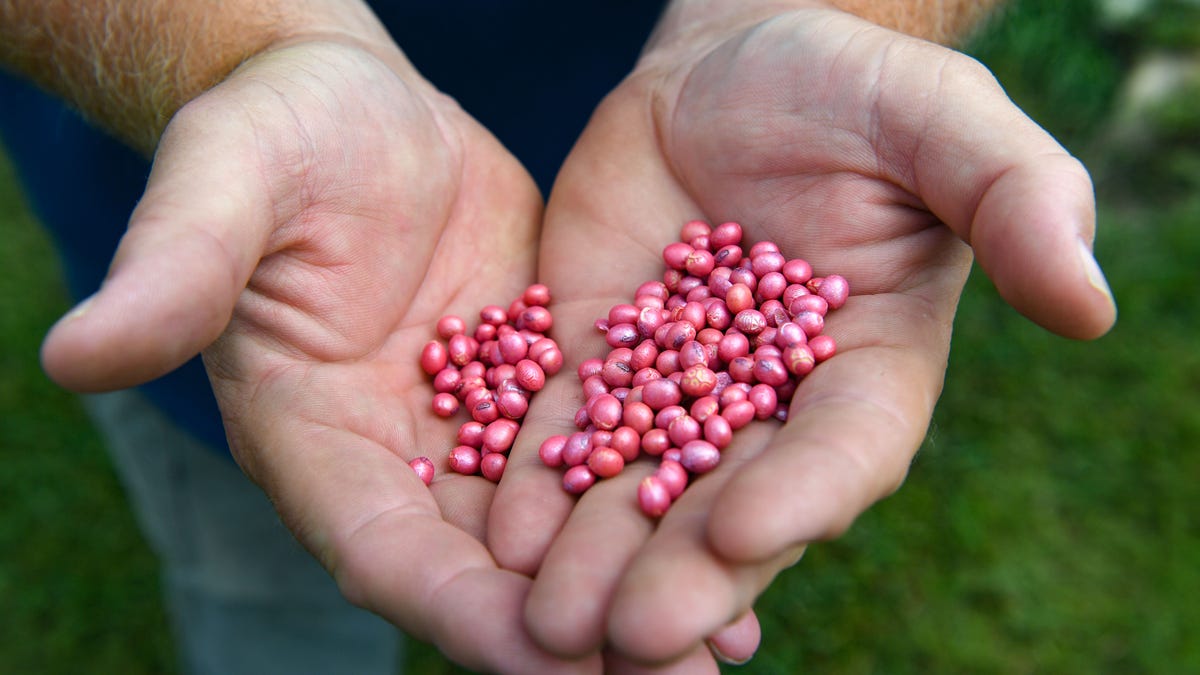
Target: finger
[(736, 643), (567, 609), (853, 427), (696, 662), (677, 593), (191, 245), (1002, 184)]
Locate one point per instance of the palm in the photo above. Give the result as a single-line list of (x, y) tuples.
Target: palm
[(809, 136)]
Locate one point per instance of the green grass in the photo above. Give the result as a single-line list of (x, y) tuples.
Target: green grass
[(1050, 523)]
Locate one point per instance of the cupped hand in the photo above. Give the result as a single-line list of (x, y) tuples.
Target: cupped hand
[(306, 223), (873, 155)]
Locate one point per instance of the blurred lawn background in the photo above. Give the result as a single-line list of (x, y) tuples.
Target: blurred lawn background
[(1050, 523)]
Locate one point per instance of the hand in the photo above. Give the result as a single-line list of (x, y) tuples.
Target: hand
[(872, 155), (315, 214)]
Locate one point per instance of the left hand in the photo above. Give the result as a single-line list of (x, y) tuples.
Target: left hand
[(871, 154)]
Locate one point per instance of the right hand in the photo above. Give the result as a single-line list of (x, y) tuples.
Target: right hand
[(306, 223)]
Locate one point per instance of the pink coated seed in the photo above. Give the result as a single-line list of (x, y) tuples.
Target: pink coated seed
[(464, 459), (769, 370), (551, 361), (494, 315), (498, 436), (698, 381), (739, 298), (694, 228), (653, 497), (536, 319), (462, 349), (728, 256), (741, 369), (704, 407), (485, 412), (800, 359), (530, 375), (423, 466), (622, 335), (627, 441), (551, 451), (638, 416), (433, 357), (797, 271), (835, 289), (726, 234), (659, 394), (484, 332), (750, 321), (667, 362), (675, 255), (739, 413), (445, 405), (641, 377), (664, 417), (471, 433), (492, 465), (447, 380), (577, 448), (450, 325), (699, 263), (512, 347), (605, 462), (515, 308), (536, 294), (684, 429), (617, 374), (771, 286), (644, 355), (577, 479), (764, 399), (655, 442), (718, 431), (699, 456), (811, 322), (604, 411), (671, 455), (810, 303), (823, 347), (512, 405), (673, 476)]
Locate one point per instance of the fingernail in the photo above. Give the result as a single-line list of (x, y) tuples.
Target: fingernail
[(1092, 268), (80, 309), (727, 660)]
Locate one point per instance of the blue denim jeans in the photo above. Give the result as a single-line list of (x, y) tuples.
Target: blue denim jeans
[(243, 595)]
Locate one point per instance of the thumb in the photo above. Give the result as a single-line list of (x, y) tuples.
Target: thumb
[(1015, 195), (191, 245)]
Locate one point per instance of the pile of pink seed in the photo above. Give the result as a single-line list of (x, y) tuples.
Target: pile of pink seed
[(492, 373), (723, 339)]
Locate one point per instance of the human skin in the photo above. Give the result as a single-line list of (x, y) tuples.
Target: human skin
[(308, 220), (887, 159)]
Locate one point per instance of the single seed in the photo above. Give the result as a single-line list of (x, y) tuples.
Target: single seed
[(823, 347), (447, 380), (471, 433), (445, 405), (655, 442), (739, 413), (462, 349), (627, 441), (494, 315), (653, 497), (498, 436), (699, 456), (577, 448), (450, 325), (536, 294), (551, 451), (835, 289), (492, 465), (577, 479), (464, 459), (673, 476), (434, 357), (684, 429), (530, 375), (718, 431), (605, 462), (423, 466), (764, 399)]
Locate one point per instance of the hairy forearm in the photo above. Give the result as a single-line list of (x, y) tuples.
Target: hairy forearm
[(944, 21), (130, 64)]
